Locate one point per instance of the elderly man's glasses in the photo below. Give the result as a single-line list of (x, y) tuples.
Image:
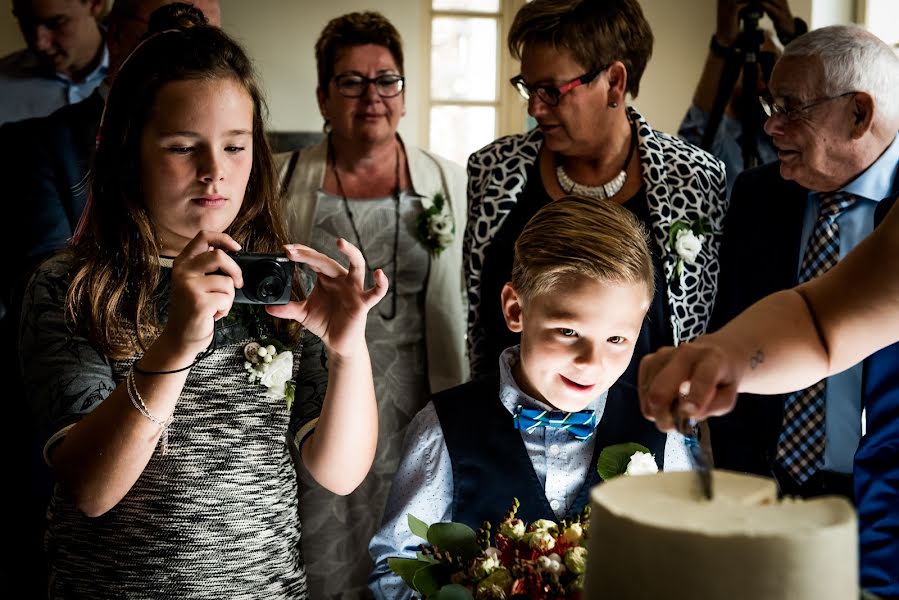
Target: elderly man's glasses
[(550, 94), (351, 85), (772, 108)]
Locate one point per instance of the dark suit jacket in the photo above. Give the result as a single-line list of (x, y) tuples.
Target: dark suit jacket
[(45, 162), (759, 256)]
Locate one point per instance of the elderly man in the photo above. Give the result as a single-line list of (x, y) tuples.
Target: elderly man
[(64, 62), (833, 118)]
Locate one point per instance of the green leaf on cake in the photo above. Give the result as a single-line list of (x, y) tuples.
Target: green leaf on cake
[(613, 459)]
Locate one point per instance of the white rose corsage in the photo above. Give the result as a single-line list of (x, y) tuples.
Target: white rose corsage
[(685, 241), (436, 228), (625, 459), (270, 364)]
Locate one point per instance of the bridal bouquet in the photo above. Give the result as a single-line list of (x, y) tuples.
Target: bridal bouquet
[(541, 560)]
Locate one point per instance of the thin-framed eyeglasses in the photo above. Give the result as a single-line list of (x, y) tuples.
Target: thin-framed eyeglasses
[(772, 108), (352, 85), (550, 94)]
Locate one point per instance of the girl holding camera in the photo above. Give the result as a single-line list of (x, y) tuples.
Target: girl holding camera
[(166, 407)]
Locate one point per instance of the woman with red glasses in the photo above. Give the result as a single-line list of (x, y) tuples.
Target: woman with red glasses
[(580, 59)]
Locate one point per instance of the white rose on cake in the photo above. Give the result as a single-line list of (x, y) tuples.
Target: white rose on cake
[(642, 463)]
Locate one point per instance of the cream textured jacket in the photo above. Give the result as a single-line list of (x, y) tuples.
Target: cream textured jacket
[(445, 297)]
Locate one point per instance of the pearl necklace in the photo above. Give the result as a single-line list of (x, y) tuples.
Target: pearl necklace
[(605, 190)]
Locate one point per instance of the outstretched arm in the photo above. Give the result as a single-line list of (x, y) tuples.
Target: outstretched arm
[(786, 341)]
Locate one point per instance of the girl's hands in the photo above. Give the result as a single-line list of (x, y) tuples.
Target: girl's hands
[(203, 282), (338, 306)]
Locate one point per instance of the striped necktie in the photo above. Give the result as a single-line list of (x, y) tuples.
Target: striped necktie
[(800, 449), (579, 424)]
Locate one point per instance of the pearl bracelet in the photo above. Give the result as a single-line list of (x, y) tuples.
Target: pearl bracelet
[(138, 403)]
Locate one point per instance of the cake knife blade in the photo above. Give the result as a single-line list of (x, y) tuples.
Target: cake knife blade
[(698, 456)]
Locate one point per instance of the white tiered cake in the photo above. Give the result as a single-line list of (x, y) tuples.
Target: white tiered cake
[(656, 537)]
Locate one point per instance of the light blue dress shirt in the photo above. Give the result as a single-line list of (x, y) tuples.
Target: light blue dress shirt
[(843, 427), (423, 484), (28, 90)]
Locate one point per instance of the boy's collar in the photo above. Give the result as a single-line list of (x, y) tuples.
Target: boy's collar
[(511, 395)]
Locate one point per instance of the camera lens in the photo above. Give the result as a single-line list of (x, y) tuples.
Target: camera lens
[(269, 281)]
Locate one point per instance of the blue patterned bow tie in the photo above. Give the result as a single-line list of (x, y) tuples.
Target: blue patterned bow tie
[(579, 424)]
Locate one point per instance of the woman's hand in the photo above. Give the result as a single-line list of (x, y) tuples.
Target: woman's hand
[(700, 374), (203, 282), (337, 308)]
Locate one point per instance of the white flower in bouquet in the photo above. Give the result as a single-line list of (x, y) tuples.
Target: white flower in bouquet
[(642, 463), (576, 560), (551, 563), (541, 540), (544, 524), (513, 529), (573, 533)]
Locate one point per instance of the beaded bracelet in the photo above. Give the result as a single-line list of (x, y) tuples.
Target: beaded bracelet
[(138, 403)]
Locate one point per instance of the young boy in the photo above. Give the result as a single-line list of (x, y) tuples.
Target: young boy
[(582, 282)]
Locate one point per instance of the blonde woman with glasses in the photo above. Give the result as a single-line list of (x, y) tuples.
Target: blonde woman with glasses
[(405, 209)]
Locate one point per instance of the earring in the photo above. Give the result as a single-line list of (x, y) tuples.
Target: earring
[(613, 105)]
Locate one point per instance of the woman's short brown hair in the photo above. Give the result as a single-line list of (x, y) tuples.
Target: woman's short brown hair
[(574, 238), (354, 29), (596, 32)]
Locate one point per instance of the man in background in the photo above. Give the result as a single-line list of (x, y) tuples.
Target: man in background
[(833, 116), (728, 47), (65, 58)]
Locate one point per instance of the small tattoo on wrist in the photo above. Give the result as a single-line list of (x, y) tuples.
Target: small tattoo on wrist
[(756, 359)]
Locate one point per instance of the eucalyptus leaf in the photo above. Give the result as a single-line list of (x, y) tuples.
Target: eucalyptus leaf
[(417, 526), (407, 568), (454, 591), (613, 459), (455, 538)]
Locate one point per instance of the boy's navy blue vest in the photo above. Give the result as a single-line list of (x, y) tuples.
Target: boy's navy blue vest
[(491, 465)]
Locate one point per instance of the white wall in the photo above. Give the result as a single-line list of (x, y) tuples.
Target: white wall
[(280, 34)]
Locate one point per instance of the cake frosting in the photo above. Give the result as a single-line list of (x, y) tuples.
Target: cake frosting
[(657, 537)]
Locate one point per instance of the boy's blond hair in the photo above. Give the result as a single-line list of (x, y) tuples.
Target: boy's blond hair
[(573, 238)]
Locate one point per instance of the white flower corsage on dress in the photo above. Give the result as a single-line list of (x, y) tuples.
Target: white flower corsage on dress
[(436, 228), (686, 242), (270, 364)]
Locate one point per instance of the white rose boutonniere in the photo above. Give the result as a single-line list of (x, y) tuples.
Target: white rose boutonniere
[(273, 369), (436, 228), (686, 242)]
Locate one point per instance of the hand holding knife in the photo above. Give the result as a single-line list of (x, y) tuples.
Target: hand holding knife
[(687, 427)]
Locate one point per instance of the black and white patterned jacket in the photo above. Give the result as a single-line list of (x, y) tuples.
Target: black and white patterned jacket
[(683, 183)]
